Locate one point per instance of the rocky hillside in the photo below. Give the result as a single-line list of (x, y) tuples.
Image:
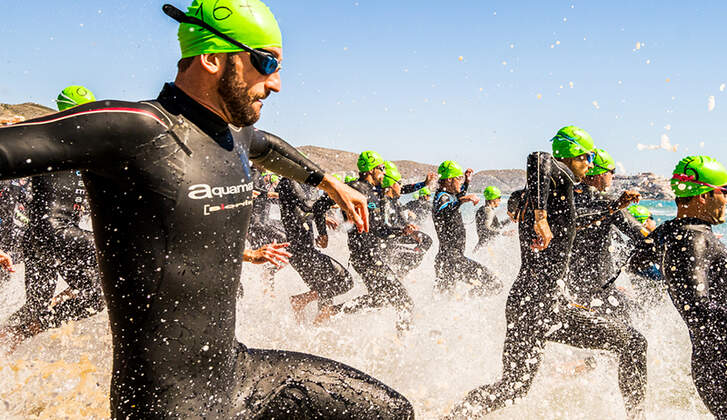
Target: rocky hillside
[(338, 161), (22, 112)]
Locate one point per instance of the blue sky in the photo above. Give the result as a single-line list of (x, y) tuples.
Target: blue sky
[(387, 75)]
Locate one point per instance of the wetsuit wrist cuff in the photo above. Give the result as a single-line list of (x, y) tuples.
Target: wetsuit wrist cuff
[(315, 179)]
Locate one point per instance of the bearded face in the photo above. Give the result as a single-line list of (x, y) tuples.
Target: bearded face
[(237, 97)]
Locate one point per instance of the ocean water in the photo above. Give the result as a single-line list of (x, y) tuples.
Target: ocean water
[(455, 345)]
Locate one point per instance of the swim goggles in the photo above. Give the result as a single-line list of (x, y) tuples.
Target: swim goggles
[(693, 179), (263, 61)]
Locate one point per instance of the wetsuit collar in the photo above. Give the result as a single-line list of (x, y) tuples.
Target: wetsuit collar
[(177, 102)]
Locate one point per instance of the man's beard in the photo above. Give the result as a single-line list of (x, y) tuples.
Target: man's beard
[(236, 97)]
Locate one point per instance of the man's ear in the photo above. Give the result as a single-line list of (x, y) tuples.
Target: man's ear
[(212, 63)]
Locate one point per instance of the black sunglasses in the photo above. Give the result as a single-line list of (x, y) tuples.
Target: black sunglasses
[(263, 61)]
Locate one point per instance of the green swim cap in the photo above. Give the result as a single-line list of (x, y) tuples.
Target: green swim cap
[(368, 160), (640, 213), (571, 141), (350, 178), (247, 21), (492, 193), (338, 177), (449, 169), (391, 176), (424, 192), (602, 163), (273, 177), (696, 175), (73, 96)]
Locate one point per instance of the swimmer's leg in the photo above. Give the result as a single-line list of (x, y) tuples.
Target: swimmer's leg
[(582, 329), (290, 385)]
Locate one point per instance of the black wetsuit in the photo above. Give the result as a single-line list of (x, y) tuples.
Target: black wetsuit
[(421, 209), (537, 312), (592, 265), (170, 192), (56, 245), (404, 253), (694, 265), (516, 202), (488, 226), (369, 259), (320, 272), (450, 264), (263, 230)]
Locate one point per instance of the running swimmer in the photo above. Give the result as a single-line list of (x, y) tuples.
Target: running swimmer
[(405, 253), (367, 248), (325, 277), (488, 226), (170, 191), (536, 312), (592, 264), (55, 245), (450, 264), (695, 263)]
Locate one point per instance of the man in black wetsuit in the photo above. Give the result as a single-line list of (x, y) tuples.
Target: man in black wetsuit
[(367, 248), (451, 265), (54, 245), (693, 262), (169, 185), (592, 265), (488, 226), (404, 253), (325, 277), (536, 311)]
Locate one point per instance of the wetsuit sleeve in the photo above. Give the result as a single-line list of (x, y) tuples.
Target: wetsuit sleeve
[(446, 203), (320, 207), (689, 280), (538, 173), (300, 198), (408, 189), (629, 226), (92, 136), (274, 154)]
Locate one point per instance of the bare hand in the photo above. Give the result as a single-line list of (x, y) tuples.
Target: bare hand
[(410, 228), (542, 230), (255, 193), (6, 262), (331, 223), (472, 198), (431, 177), (322, 241), (468, 174), (627, 198), (351, 201), (273, 194), (274, 253)]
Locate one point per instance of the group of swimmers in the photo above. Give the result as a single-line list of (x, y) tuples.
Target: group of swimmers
[(177, 185)]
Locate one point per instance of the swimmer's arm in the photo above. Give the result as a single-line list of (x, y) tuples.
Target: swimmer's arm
[(273, 153), (91, 136), (538, 175), (629, 226), (410, 188), (320, 208), (300, 198)]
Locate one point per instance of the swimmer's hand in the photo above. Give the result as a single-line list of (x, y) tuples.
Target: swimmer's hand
[(351, 201), (410, 228), (542, 230), (322, 241), (273, 194), (331, 223), (468, 175), (626, 199), (274, 254), (472, 198), (255, 193), (431, 177), (6, 262)]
